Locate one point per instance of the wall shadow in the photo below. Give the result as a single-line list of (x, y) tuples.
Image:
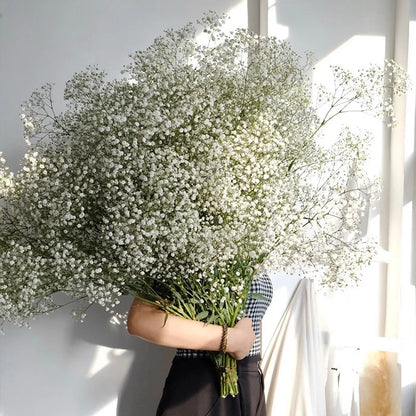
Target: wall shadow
[(139, 371)]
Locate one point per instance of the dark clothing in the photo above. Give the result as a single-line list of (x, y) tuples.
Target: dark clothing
[(192, 389)]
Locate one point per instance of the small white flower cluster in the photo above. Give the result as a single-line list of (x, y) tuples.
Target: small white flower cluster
[(198, 157), (6, 178), (370, 89)]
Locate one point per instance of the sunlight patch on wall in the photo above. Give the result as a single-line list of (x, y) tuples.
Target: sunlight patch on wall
[(274, 28), (109, 409), (238, 16), (357, 52), (103, 356)]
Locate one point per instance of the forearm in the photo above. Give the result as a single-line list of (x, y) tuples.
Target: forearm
[(150, 323)]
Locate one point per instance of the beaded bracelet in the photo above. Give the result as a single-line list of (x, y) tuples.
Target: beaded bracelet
[(224, 339)]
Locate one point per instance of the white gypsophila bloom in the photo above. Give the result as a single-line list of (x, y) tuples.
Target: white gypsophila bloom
[(6, 178), (200, 156)]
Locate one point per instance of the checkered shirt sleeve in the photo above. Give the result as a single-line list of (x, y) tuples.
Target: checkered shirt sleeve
[(255, 309)]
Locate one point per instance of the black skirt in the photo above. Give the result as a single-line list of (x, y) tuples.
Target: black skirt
[(192, 389)]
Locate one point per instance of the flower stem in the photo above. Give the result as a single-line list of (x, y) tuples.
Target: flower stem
[(227, 370)]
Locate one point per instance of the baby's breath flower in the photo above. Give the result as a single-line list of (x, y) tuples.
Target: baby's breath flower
[(200, 166)]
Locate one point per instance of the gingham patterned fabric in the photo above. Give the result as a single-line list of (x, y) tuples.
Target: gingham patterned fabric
[(255, 309)]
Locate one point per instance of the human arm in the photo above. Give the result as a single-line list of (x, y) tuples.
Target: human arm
[(149, 323)]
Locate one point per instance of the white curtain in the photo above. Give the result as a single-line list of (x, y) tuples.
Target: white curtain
[(292, 363)]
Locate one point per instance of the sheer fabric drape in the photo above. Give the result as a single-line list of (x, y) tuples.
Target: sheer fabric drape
[(293, 368)]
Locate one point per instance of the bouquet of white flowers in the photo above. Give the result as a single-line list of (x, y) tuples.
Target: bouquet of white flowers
[(179, 181)]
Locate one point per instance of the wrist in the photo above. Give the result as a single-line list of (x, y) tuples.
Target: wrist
[(231, 344)]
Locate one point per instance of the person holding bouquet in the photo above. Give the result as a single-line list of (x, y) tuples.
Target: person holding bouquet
[(192, 386)]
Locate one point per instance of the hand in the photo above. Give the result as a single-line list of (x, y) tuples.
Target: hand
[(241, 339)]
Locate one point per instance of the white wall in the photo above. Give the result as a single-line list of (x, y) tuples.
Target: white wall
[(48, 40)]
